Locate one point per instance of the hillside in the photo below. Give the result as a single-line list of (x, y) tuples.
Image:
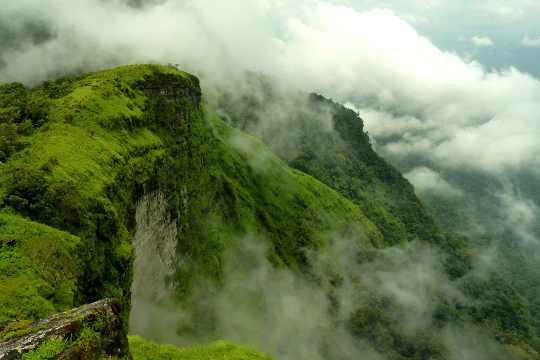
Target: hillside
[(329, 142), (145, 350), (79, 154)]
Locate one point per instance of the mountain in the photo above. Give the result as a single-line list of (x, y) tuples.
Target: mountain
[(215, 221)]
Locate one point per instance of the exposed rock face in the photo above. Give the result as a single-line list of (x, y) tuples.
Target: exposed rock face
[(99, 324), (155, 255)]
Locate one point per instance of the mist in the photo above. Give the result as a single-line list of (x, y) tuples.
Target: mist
[(290, 315)]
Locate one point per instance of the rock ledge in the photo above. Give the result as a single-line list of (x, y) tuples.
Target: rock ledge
[(102, 319)]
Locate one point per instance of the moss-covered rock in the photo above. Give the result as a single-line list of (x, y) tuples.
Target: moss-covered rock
[(92, 331)]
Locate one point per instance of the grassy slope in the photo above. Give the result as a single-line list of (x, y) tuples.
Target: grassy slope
[(145, 350), (38, 268), (326, 140)]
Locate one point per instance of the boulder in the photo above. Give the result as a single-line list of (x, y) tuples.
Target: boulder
[(92, 331)]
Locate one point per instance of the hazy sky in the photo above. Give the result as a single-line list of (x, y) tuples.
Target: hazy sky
[(498, 33)]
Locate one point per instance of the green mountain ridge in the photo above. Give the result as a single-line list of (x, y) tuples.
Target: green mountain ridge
[(78, 154)]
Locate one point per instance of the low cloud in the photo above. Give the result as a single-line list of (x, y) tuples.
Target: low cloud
[(426, 180), (295, 316), (521, 216), (481, 41), (530, 41)]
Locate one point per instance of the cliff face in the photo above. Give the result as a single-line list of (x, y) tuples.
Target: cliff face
[(69, 189), (83, 152)]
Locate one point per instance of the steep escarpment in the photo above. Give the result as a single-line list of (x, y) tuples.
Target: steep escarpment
[(69, 187), (325, 225)]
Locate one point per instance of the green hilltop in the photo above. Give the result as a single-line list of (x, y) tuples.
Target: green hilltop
[(77, 154)]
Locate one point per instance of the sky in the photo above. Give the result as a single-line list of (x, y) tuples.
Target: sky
[(498, 33)]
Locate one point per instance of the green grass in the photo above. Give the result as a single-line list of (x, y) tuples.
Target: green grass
[(38, 268), (239, 188), (221, 350), (49, 350)]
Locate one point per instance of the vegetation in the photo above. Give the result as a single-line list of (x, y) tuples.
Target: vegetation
[(69, 194), (49, 350), (145, 350), (77, 154), (38, 268), (328, 141), (88, 341)]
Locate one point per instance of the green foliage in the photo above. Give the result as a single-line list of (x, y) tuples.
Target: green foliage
[(38, 268), (15, 329), (340, 155), (112, 136), (221, 350), (21, 112), (49, 350), (326, 140), (500, 308), (82, 173), (89, 341), (238, 188)]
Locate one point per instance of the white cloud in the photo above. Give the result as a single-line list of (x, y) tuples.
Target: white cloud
[(530, 41), (507, 12), (481, 41), (426, 180), (383, 125), (521, 216)]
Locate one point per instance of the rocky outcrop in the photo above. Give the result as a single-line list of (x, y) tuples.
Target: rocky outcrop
[(89, 332)]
